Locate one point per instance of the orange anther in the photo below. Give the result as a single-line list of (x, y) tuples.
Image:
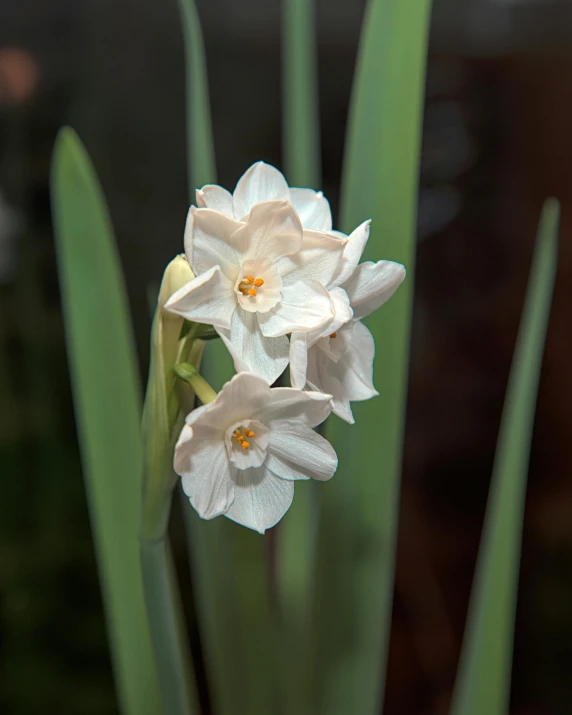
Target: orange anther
[(259, 282), (244, 444), (243, 289), (249, 279), (334, 335), (249, 433), (252, 292)]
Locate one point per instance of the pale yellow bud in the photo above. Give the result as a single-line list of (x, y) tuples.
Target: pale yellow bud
[(177, 273)]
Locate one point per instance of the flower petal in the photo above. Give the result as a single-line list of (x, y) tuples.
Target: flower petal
[(251, 351), (312, 208), (300, 343), (209, 298), (262, 182), (206, 473), (211, 239), (286, 403), (319, 259), (352, 252), (299, 346), (372, 285), (272, 230), (260, 499), (297, 452), (216, 198), (305, 306), (318, 375), (351, 378)]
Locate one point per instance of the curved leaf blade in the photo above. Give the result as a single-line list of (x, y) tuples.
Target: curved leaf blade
[(483, 680), (108, 409)]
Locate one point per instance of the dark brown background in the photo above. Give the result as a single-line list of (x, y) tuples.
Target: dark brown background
[(497, 141)]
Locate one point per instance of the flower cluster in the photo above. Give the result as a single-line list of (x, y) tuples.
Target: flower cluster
[(280, 287)]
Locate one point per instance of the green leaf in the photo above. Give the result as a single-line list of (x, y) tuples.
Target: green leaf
[(296, 543), (108, 409), (359, 507), (228, 562), (301, 141), (483, 680)]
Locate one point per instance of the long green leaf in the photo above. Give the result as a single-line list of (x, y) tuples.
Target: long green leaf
[(483, 681), (359, 507), (301, 140), (108, 409), (228, 562), (295, 563)]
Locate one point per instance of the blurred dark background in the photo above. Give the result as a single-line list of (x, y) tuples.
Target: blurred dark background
[(497, 140)]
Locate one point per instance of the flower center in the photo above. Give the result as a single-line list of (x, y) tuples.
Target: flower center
[(258, 286), (249, 285), (241, 438), (246, 442)]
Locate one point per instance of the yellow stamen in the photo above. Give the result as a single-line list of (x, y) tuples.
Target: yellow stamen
[(334, 335), (243, 289), (251, 292), (249, 433), (244, 444), (249, 279), (259, 282)]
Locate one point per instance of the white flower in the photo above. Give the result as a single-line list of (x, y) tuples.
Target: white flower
[(339, 360), (258, 280), (239, 455), (263, 182)]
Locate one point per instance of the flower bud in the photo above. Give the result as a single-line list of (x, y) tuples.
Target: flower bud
[(177, 273)]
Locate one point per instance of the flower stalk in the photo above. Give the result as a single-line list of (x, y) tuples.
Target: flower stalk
[(161, 424), (189, 374)]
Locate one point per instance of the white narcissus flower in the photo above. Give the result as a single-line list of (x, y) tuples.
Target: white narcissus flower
[(263, 182), (339, 360), (258, 280), (240, 454)]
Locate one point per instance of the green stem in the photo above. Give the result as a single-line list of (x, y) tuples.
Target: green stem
[(165, 616), (162, 598), (189, 373)]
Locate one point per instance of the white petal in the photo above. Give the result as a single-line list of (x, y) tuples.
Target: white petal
[(305, 306), (215, 197), (321, 373), (353, 251), (267, 357), (206, 473), (241, 396), (343, 314), (297, 452), (260, 499), (337, 342), (357, 364), (351, 378), (286, 403), (261, 182), (319, 259), (272, 230), (211, 239), (372, 285), (300, 343), (298, 359), (209, 298), (313, 209)]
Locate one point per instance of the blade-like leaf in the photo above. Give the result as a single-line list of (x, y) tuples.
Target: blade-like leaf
[(301, 140), (295, 562), (228, 562), (483, 681), (108, 409), (356, 546)]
